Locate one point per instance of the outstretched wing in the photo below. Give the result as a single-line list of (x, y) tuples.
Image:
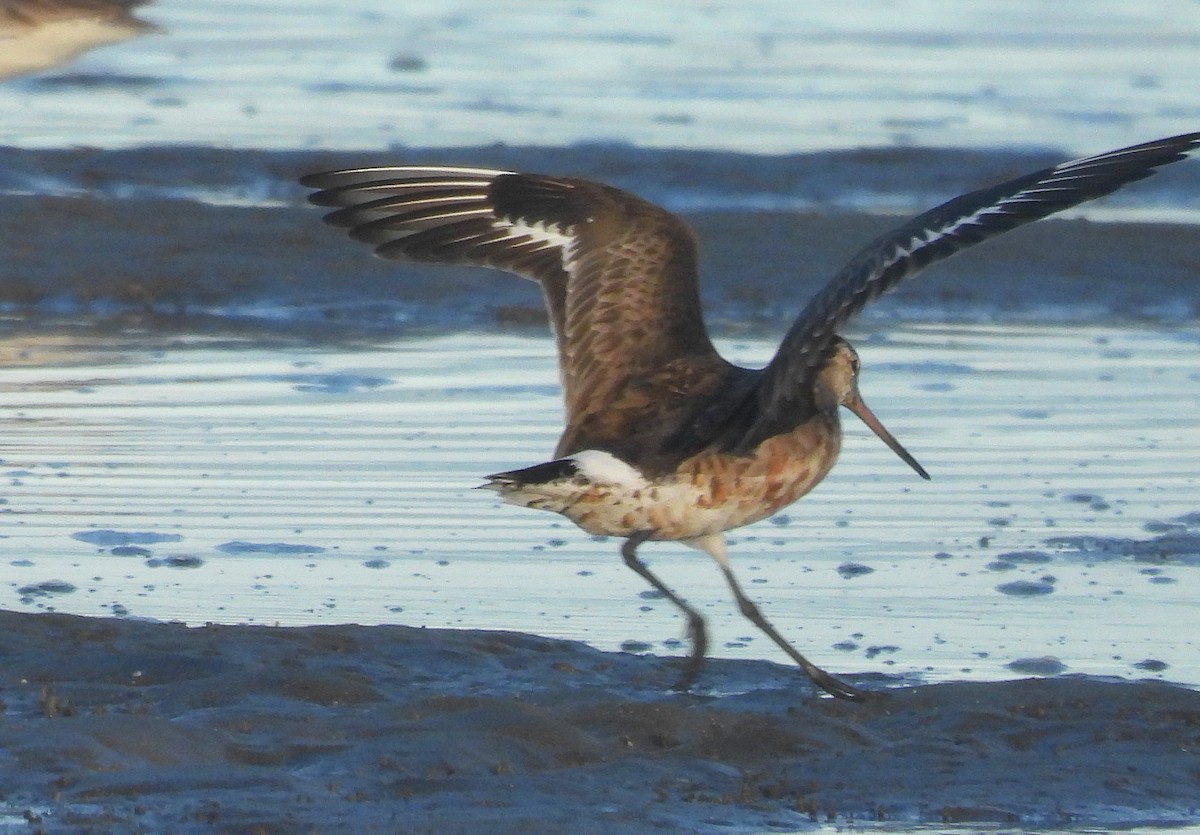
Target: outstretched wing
[(618, 273), (443, 215), (939, 233)]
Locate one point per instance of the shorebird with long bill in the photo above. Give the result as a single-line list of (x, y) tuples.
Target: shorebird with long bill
[(665, 439)]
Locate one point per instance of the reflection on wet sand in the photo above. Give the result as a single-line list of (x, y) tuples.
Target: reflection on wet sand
[(37, 35), (214, 479), (54, 348)]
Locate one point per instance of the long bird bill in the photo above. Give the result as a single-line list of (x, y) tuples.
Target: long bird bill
[(856, 404)]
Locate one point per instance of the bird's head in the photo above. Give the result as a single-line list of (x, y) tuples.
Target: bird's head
[(839, 378)]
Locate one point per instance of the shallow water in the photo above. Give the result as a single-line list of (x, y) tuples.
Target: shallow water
[(763, 76), (220, 480), (318, 466)]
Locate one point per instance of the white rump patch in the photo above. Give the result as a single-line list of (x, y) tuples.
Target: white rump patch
[(603, 468)]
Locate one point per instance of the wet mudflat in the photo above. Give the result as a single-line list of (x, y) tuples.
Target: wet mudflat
[(123, 726), (221, 480), (306, 511), (248, 587)]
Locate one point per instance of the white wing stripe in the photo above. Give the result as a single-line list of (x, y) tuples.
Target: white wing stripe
[(561, 238), (412, 185), (410, 171), (419, 191), (420, 224)]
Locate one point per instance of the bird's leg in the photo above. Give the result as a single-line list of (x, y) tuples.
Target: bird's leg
[(715, 546), (696, 629), (820, 678)]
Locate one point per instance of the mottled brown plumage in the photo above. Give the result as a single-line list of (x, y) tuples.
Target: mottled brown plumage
[(664, 438)]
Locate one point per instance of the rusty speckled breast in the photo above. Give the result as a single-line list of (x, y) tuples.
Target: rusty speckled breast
[(714, 492), (781, 470)]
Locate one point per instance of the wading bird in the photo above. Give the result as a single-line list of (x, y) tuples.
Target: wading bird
[(36, 35), (665, 440)]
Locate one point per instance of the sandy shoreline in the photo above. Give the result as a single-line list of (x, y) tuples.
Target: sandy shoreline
[(126, 726)]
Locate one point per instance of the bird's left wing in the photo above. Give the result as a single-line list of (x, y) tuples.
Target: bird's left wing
[(929, 237)]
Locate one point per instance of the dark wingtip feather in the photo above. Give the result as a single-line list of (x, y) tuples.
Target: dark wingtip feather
[(932, 236), (545, 473)]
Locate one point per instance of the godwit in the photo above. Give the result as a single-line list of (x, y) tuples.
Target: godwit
[(39, 34), (665, 440)]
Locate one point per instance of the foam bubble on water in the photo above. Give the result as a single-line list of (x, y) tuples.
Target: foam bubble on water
[(119, 538), (1175, 546), (1046, 665), (175, 561), (46, 588), (850, 570), (1025, 588), (239, 547)]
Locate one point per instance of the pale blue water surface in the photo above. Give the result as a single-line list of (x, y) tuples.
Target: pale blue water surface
[(283, 481), (212, 481), (216, 410), (764, 76)]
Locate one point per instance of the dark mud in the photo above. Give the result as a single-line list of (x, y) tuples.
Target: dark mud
[(185, 265), (122, 726)]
